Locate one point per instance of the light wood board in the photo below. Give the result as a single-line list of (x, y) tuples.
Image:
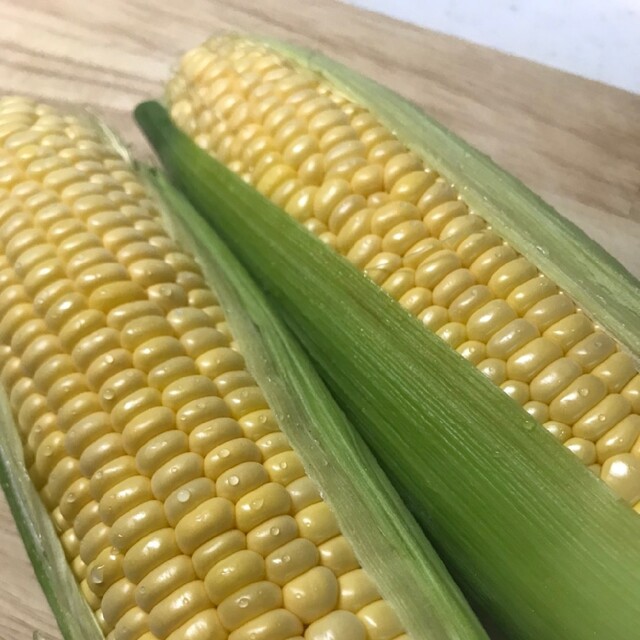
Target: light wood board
[(574, 141)]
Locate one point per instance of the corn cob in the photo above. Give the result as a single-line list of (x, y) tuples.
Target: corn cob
[(334, 167), (181, 507), (534, 538)]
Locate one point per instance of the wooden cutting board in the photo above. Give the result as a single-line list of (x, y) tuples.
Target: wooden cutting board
[(573, 141)]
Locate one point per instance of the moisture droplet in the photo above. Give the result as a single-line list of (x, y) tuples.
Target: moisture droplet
[(224, 453), (97, 574), (258, 503), (109, 394), (602, 417), (584, 392), (243, 602), (48, 451), (234, 481), (262, 418), (166, 291), (286, 559), (283, 465), (109, 359), (183, 495), (201, 406), (275, 531), (226, 571), (142, 589), (173, 470)]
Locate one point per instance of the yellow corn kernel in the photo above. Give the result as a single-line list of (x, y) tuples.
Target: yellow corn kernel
[(337, 624), (619, 438), (584, 449), (622, 473)]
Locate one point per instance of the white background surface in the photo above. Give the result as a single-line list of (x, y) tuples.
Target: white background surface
[(597, 39)]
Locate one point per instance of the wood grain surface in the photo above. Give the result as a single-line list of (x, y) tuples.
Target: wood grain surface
[(573, 141)]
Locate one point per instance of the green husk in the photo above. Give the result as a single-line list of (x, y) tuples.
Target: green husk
[(562, 251), (74, 617), (387, 540), (534, 539)]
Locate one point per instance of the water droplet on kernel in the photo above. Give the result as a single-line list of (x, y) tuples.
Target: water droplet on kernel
[(173, 470), (584, 392), (283, 465), (109, 359), (258, 503), (234, 481), (275, 531), (183, 495), (602, 417), (109, 394), (224, 453), (286, 559), (262, 419), (97, 574), (243, 602)]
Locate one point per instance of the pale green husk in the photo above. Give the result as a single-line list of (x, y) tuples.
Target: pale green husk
[(533, 537), (74, 617)]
